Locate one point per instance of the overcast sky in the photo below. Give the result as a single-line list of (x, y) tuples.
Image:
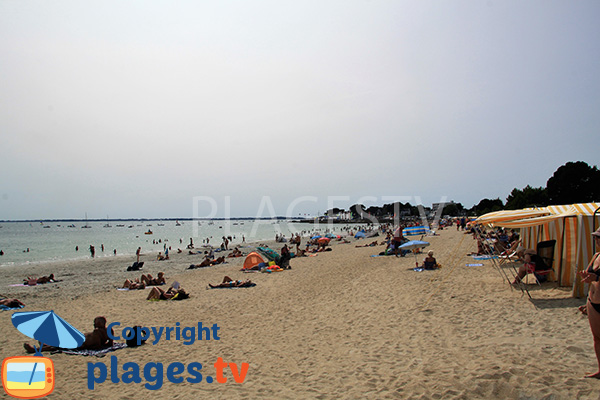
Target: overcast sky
[(135, 108)]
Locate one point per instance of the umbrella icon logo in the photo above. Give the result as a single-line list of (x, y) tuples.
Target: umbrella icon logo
[(33, 377)]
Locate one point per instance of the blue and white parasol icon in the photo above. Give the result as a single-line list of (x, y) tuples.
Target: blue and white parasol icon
[(47, 328)]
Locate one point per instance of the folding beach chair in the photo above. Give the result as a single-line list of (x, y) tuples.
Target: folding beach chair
[(545, 257)]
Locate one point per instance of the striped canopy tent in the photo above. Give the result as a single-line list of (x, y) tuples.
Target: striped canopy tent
[(571, 226), (495, 217)]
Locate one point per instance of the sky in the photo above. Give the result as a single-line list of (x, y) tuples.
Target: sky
[(166, 109)]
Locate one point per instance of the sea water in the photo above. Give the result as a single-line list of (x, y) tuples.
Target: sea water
[(35, 242)]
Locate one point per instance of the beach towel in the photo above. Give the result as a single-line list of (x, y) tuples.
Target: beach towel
[(37, 284), (7, 308), (86, 352), (484, 257), (474, 265)]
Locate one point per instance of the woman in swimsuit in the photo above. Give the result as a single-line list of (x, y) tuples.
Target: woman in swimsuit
[(591, 275)]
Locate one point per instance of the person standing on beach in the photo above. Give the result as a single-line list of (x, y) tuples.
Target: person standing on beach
[(92, 250), (397, 241), (137, 253), (591, 275)]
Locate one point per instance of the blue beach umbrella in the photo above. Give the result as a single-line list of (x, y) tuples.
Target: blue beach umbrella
[(316, 237), (47, 327), (414, 244), (360, 235)]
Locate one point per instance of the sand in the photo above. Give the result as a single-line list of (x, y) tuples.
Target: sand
[(341, 325)]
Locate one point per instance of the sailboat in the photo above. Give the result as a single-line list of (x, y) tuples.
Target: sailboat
[(107, 225), (86, 224)]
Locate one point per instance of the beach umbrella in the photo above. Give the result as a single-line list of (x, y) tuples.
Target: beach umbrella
[(360, 234), (414, 244), (47, 328), (316, 237), (323, 240)]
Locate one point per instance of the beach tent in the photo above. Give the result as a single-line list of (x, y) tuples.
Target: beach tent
[(252, 260), (571, 226), (360, 234), (415, 230)]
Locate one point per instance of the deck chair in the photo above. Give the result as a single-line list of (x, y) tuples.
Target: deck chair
[(545, 257)]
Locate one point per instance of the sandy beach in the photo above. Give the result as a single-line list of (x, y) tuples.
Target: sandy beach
[(340, 325)]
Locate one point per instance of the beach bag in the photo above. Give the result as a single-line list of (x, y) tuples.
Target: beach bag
[(180, 296), (133, 341), (136, 266)]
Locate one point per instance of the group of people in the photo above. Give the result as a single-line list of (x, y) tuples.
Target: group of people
[(145, 280), (174, 292), (208, 261)]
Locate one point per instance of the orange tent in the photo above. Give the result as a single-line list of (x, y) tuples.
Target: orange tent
[(252, 260)]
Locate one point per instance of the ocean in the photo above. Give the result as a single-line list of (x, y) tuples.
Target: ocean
[(35, 242)]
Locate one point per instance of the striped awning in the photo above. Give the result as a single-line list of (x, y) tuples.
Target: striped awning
[(494, 218), (555, 212), (523, 223)]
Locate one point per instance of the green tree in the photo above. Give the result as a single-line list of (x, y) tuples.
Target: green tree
[(527, 197), (334, 211), (487, 205), (357, 210), (453, 209), (574, 182)]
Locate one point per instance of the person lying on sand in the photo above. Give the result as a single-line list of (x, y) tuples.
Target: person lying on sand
[(205, 263), (38, 281), (235, 253), (12, 303), (133, 285), (228, 282), (150, 281), (95, 340), (220, 260), (170, 294), (369, 245)]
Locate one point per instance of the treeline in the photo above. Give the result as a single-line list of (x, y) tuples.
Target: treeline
[(574, 182)]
